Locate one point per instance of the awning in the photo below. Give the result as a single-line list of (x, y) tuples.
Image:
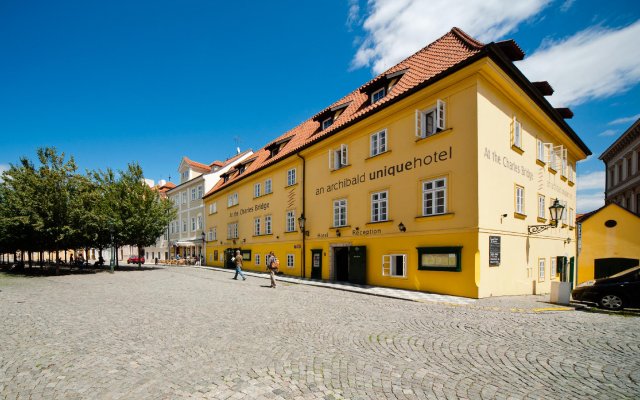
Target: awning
[(185, 244)]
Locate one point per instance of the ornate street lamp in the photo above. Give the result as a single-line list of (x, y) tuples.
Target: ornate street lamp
[(301, 222), (556, 210)]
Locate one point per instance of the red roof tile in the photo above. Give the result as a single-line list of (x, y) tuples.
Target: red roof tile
[(196, 164)]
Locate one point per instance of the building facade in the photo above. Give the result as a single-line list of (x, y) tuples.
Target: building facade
[(427, 178), (160, 250), (186, 232), (622, 161)]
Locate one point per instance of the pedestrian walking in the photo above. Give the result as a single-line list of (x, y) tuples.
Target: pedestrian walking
[(238, 260), (273, 264)]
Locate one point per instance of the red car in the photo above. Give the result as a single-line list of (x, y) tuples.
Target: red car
[(135, 260)]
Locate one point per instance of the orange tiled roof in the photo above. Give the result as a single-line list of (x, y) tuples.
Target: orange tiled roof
[(196, 164), (415, 72)]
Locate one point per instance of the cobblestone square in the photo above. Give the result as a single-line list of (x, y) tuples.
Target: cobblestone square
[(194, 333)]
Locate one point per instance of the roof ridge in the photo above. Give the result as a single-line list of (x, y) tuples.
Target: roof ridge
[(466, 38)]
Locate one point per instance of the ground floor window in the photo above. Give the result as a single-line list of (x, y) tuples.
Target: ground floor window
[(394, 265), (290, 260), (257, 259), (541, 269), (440, 258), (554, 264)]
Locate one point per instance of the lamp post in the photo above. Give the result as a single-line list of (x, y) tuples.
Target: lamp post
[(112, 260), (555, 210), (204, 250), (301, 223)]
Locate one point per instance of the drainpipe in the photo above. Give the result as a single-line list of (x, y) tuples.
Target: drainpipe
[(304, 180)]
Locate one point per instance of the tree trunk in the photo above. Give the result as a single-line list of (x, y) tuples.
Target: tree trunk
[(139, 260), (57, 263), (30, 254)]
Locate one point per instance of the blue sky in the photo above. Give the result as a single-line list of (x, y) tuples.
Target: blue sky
[(152, 81)]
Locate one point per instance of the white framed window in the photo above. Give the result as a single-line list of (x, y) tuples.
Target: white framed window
[(290, 224), (214, 233), (193, 224), (232, 230), (184, 225), (563, 154), (213, 208), (185, 175), (519, 199), (257, 190), (290, 260), (184, 197), (327, 123), (267, 224), (232, 200), (291, 177), (379, 206), (339, 157), (554, 267), (378, 143), (340, 212), (200, 191), (572, 174), (193, 194), (210, 235), (267, 186), (257, 226), (540, 150), (378, 95), (541, 206), (571, 217), (541, 269), (434, 197), (199, 221), (431, 120), (516, 133), (394, 265), (256, 259), (565, 211)]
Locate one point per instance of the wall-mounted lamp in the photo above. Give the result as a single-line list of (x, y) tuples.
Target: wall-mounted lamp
[(244, 240), (556, 210), (338, 232), (234, 241), (504, 215), (402, 227), (567, 240)]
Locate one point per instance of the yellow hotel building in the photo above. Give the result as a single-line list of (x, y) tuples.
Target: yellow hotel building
[(425, 178)]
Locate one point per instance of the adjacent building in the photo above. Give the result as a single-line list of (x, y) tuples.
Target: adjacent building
[(186, 232), (160, 250), (436, 176), (622, 161)]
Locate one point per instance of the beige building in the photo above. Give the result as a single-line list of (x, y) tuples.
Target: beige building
[(622, 160), (186, 233)]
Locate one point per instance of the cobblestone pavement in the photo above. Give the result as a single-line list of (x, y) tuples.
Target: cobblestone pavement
[(193, 333)]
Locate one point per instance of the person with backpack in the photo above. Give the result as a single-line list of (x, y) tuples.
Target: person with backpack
[(238, 260), (273, 264)]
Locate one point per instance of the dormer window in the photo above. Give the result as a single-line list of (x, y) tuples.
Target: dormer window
[(241, 168), (185, 175), (378, 95), (225, 177), (327, 123)]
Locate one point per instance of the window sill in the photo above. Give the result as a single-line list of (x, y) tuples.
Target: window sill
[(540, 162), (340, 227), (288, 186), (570, 183), (442, 216), (235, 205), (564, 225), (395, 276), (553, 171), (542, 220), (289, 232), (378, 222), (341, 168), (444, 131), (571, 228), (564, 178), (377, 155), (517, 149), (519, 215)]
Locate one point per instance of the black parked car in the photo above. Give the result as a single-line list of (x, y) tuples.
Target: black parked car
[(614, 293)]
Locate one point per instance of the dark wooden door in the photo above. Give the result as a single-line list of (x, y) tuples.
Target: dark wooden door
[(358, 265), (316, 264)]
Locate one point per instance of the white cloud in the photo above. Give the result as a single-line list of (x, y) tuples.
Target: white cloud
[(354, 13), (608, 132), (625, 120), (591, 64), (592, 180), (398, 28), (566, 5), (589, 201)]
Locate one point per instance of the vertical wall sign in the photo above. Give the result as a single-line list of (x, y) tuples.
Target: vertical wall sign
[(494, 251)]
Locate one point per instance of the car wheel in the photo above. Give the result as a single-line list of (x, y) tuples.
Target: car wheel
[(611, 302)]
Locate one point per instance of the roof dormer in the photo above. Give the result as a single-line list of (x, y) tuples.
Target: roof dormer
[(275, 147), (378, 89), (327, 117)]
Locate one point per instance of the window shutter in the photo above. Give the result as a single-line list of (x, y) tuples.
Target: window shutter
[(386, 265), (343, 155), (440, 114), (331, 164), (419, 123)]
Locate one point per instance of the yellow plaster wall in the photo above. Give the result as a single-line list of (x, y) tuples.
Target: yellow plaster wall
[(501, 168), (598, 241)]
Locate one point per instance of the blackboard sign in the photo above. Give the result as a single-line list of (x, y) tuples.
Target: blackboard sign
[(494, 250)]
